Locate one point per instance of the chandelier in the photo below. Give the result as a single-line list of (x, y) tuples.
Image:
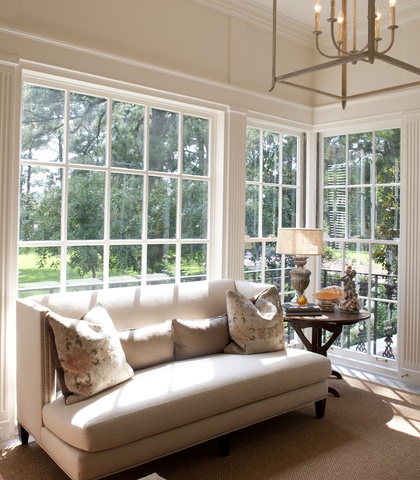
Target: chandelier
[(345, 49)]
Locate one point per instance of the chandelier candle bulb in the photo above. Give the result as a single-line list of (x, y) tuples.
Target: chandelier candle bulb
[(332, 10), (392, 12), (340, 20), (377, 22), (317, 16)]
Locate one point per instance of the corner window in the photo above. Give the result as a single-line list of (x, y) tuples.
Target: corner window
[(361, 199)]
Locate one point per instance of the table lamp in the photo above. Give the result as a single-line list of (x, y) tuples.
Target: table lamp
[(301, 243)]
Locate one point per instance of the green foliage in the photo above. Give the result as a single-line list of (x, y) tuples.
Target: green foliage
[(330, 253), (196, 146), (86, 259), (42, 132), (163, 141), (87, 139), (128, 123)]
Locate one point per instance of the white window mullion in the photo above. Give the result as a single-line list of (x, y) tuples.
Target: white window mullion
[(178, 233), (346, 194), (299, 191), (65, 193), (145, 195), (261, 187), (280, 185), (107, 193), (178, 242)]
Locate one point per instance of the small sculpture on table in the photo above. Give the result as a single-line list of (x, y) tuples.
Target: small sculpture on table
[(350, 303), (327, 297)]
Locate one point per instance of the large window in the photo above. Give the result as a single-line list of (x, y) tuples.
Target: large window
[(272, 201), (113, 192), (362, 227)]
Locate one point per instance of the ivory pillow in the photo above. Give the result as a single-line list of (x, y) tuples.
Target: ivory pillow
[(89, 352), (255, 325), (196, 338), (147, 346)]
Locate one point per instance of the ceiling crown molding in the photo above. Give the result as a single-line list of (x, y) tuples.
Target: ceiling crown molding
[(260, 14), (255, 12)]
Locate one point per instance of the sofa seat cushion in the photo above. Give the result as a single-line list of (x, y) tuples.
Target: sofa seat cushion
[(167, 396)]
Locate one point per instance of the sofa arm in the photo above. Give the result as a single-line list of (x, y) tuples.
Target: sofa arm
[(35, 377)]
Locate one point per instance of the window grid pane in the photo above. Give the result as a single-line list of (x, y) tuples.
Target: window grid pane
[(128, 135), (87, 136), (42, 131), (103, 219)]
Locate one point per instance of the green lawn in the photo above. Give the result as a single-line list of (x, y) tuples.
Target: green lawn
[(29, 272), (48, 277)]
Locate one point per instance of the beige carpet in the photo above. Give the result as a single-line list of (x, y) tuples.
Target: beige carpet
[(371, 431)]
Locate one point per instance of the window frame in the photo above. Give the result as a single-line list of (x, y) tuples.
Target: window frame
[(111, 94), (301, 194), (372, 361)]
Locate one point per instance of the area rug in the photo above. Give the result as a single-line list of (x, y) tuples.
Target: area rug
[(370, 431)]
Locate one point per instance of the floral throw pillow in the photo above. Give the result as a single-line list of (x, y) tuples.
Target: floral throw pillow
[(89, 353), (255, 325)]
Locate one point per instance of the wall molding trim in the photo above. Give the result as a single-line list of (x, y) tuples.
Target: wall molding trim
[(50, 56), (10, 96)]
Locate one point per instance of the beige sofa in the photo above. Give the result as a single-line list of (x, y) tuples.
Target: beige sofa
[(162, 408)]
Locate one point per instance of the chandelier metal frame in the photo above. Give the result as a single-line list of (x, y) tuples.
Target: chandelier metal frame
[(369, 53)]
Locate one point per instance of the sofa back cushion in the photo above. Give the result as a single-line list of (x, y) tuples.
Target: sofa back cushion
[(134, 307), (147, 346), (196, 338)]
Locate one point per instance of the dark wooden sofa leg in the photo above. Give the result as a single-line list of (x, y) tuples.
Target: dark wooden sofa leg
[(224, 444), (23, 435), (320, 408)]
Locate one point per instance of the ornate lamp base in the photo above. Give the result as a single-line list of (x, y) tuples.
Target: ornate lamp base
[(300, 277)]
